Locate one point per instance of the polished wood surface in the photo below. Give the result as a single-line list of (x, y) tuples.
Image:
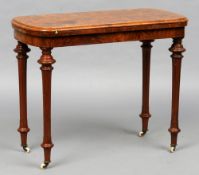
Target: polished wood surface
[(71, 29), (146, 61), (75, 40), (97, 22), (46, 62), (177, 49), (22, 50)]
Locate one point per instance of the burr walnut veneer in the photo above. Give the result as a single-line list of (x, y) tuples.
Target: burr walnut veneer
[(70, 29)]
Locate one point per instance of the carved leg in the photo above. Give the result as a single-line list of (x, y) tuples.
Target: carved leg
[(21, 50), (176, 49), (46, 62), (145, 114)]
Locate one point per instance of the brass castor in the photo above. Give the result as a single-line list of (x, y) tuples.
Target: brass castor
[(142, 133), (172, 149), (44, 165), (26, 149)]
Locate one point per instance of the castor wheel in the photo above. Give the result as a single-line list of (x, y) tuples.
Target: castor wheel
[(44, 165), (172, 149), (142, 133), (26, 149)]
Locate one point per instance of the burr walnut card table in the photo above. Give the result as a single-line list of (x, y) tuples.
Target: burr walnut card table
[(71, 29)]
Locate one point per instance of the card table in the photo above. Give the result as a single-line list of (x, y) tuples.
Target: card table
[(81, 28)]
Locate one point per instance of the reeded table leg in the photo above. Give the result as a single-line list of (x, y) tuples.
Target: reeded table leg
[(46, 62), (145, 114), (21, 50), (176, 49)]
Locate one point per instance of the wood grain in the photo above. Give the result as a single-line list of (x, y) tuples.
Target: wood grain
[(75, 40), (97, 22)]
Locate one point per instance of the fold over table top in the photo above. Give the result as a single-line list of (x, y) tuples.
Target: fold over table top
[(54, 25)]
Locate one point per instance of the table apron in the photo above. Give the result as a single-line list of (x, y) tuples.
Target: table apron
[(74, 40)]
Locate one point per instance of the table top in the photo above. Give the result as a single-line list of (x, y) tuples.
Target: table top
[(52, 25)]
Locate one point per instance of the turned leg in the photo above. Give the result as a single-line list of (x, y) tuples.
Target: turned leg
[(21, 50), (176, 49), (46, 62), (145, 114)]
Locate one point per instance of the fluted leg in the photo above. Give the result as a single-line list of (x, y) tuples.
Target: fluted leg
[(21, 50), (46, 62), (176, 49), (145, 114)]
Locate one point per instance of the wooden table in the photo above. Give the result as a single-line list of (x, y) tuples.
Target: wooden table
[(70, 29)]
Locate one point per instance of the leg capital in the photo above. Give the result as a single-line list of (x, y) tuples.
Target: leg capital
[(177, 48), (46, 60), (22, 50), (147, 44)]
